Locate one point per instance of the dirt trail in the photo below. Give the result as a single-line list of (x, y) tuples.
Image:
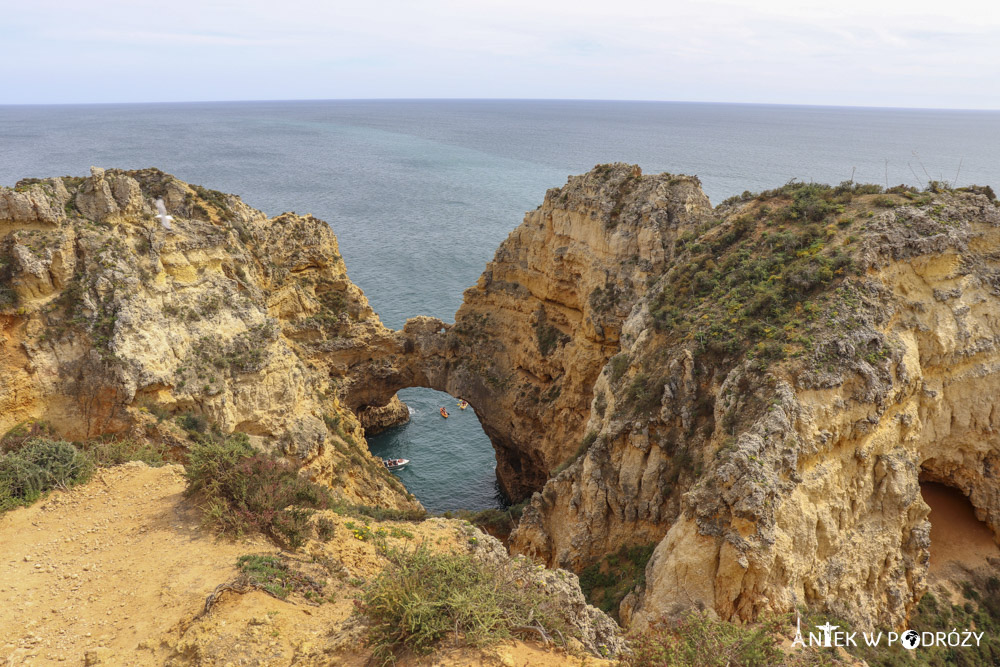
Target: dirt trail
[(116, 572), (105, 567)]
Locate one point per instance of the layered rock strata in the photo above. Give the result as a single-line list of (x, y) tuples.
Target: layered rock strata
[(777, 463), (532, 335)]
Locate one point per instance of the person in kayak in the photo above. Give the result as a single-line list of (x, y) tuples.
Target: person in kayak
[(444, 413)]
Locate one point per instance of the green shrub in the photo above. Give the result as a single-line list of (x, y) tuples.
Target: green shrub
[(643, 394), (421, 598), (245, 491), (114, 452), (333, 423), (604, 299), (601, 404), (21, 482), (218, 200), (699, 640), (156, 410), (193, 423), (617, 366), (606, 582), (325, 529), (275, 576), (985, 190), (548, 337), (40, 465), (21, 433)]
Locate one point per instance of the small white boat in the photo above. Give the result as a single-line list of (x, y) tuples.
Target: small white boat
[(394, 464)]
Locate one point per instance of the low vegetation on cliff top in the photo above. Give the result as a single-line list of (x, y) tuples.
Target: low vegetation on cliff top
[(33, 462), (423, 598), (747, 285), (245, 491), (753, 283), (698, 639)]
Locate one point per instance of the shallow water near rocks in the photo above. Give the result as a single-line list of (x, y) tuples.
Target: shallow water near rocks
[(451, 460)]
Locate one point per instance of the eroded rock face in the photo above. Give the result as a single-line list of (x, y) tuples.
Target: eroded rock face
[(755, 390), (770, 483), (246, 321)]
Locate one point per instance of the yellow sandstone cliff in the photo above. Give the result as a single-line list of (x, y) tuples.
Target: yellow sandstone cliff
[(780, 383), (755, 390), (238, 321)]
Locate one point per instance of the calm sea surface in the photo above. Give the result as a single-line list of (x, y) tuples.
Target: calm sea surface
[(420, 193)]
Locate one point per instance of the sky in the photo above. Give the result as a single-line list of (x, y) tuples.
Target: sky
[(912, 53)]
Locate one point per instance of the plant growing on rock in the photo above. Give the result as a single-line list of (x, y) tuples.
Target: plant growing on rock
[(246, 491), (421, 598)]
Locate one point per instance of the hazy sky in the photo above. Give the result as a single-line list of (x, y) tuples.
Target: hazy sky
[(940, 53)]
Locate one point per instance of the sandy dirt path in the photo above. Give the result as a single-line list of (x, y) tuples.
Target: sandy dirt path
[(102, 568), (117, 571)]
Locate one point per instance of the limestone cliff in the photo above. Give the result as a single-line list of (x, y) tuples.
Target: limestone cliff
[(223, 316), (783, 380), (757, 389)]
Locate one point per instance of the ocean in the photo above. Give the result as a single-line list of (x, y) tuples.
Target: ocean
[(420, 193)]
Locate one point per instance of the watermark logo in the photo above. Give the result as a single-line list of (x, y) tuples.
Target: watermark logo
[(828, 637)]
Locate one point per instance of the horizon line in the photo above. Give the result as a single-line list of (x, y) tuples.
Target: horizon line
[(496, 99)]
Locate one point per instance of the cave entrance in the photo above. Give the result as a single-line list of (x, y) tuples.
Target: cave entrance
[(452, 462), (958, 537)]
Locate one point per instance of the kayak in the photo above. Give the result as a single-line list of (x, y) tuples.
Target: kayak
[(444, 413), (394, 464)]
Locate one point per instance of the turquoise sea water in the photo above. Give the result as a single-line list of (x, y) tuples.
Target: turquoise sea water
[(420, 193)]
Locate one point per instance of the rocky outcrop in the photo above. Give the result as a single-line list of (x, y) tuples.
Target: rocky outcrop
[(237, 321), (377, 419), (769, 433)]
